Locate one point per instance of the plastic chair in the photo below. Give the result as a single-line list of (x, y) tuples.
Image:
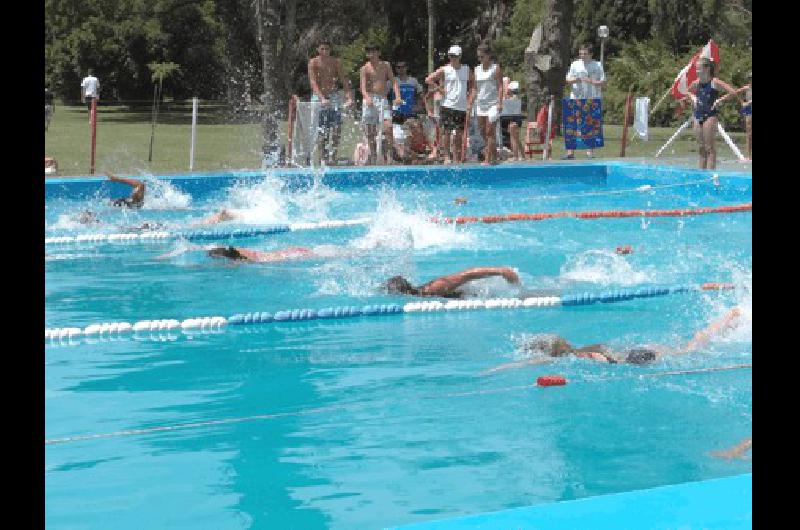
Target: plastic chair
[(535, 133)]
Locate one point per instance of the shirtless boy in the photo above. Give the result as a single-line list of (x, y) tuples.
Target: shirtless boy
[(375, 77), (324, 74)]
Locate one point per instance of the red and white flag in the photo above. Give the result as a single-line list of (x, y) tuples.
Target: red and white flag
[(680, 87)]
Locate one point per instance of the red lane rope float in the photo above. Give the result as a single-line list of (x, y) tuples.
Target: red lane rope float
[(597, 214), (551, 380)]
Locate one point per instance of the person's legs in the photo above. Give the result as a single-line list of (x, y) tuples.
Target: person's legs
[(446, 132), (491, 141), (369, 131), (388, 135), (748, 125), (701, 147), (458, 142), (336, 136), (710, 139), (483, 128), (513, 131)]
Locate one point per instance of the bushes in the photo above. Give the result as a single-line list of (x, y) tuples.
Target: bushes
[(649, 68)]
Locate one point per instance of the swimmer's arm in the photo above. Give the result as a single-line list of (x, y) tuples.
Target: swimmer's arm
[(447, 284), (731, 92), (704, 336), (130, 182), (219, 217), (735, 451), (518, 364)]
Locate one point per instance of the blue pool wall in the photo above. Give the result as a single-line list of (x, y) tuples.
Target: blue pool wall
[(601, 174)]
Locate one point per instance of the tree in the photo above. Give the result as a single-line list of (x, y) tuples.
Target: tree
[(547, 58)]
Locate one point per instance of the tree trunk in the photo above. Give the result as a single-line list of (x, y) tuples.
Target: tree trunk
[(547, 58), (431, 31), (268, 16)]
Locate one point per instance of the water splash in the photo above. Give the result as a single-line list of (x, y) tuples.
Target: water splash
[(394, 228), (161, 195), (602, 267)]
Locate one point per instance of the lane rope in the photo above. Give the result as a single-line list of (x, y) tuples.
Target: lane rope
[(221, 234), (216, 324)]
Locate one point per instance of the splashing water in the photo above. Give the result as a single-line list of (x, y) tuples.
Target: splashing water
[(602, 267), (261, 202), (161, 195), (392, 227)]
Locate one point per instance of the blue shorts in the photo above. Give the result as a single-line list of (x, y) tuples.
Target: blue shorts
[(747, 111), (330, 115)]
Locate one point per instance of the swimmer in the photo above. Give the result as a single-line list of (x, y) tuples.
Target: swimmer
[(220, 217), (448, 286), (88, 217), (736, 451), (260, 256), (626, 249), (553, 346), (136, 198)]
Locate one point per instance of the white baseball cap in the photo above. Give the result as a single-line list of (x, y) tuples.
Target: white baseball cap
[(513, 85), (455, 49)]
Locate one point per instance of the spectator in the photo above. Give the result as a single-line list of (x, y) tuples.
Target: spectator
[(747, 112), (49, 107), (324, 75), (587, 79), (704, 92), (458, 80), (410, 88), (90, 89), (376, 75), (489, 88), (511, 120), (433, 107)]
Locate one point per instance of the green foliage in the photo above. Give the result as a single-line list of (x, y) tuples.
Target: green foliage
[(649, 68), (510, 48), (627, 20), (161, 71), (353, 55)]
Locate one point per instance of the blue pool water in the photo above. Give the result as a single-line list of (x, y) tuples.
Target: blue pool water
[(375, 422)]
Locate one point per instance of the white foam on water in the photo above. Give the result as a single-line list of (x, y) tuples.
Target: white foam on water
[(602, 267), (394, 228), (161, 195)]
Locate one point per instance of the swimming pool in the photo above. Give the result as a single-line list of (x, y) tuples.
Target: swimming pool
[(380, 421)]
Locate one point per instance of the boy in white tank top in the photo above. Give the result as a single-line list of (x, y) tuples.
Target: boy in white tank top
[(458, 81), (489, 87)]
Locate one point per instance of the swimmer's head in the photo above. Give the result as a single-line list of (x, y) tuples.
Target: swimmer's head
[(225, 252), (548, 344), (641, 356), (399, 285)]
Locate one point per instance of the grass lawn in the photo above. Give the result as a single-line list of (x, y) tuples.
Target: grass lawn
[(123, 141)]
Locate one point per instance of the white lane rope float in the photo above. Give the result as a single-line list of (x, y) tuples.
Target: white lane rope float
[(215, 324), (200, 234), (330, 408)]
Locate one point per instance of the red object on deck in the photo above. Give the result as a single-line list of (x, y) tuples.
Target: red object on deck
[(551, 380)]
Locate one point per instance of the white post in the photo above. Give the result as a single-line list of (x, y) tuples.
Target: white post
[(379, 133), (546, 150), (194, 133), (730, 142), (672, 139)]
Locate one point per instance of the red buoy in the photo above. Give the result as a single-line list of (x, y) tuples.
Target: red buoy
[(551, 380)]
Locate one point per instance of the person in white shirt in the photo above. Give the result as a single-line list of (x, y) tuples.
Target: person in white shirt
[(587, 79), (90, 89), (489, 101), (458, 80)]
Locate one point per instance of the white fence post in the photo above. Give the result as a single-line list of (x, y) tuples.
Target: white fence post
[(194, 133)]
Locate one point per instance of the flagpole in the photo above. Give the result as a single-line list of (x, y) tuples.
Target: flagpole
[(660, 101)]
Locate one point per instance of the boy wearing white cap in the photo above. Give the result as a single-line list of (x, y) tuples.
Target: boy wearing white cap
[(458, 82)]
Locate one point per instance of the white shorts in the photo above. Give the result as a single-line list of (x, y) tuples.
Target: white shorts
[(370, 114), (487, 111)]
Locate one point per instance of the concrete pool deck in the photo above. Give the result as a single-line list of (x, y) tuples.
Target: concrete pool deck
[(725, 503)]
